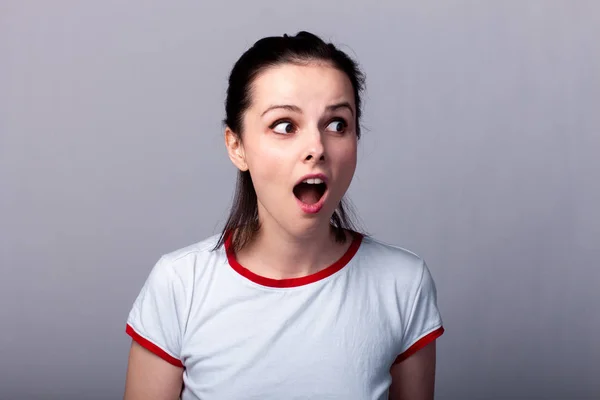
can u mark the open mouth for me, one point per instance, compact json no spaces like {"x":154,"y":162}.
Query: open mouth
{"x":310,"y":191}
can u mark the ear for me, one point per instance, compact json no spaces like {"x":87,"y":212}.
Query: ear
{"x":235,"y":149}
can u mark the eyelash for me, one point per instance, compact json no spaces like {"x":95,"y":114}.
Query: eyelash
{"x":280,"y":121}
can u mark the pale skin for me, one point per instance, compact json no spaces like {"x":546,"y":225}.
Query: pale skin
{"x":314,"y":132}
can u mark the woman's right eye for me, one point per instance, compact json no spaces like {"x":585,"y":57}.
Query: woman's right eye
{"x":283,"y":127}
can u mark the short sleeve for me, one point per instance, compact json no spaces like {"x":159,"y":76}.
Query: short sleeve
{"x":424,"y":325}
{"x":156,"y":318}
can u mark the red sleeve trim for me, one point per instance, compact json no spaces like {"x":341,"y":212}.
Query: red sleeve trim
{"x":148,"y":345}
{"x":419,"y":344}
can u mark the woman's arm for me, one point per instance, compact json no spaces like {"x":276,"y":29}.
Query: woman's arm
{"x":149,"y":377}
{"x":414,"y":378}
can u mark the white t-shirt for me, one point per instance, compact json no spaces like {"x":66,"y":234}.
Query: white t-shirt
{"x":331,"y":335}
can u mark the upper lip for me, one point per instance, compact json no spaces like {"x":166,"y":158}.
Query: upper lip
{"x":321,"y":176}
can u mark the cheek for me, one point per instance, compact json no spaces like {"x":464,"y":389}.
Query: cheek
{"x":346,"y":157}
{"x":267,"y":166}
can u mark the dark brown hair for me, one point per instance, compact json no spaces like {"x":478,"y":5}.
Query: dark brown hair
{"x":268,"y":52}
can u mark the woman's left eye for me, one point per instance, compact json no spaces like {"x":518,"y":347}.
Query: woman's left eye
{"x":339,"y":125}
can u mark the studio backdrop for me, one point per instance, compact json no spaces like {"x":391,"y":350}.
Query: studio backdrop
{"x":480,"y":152}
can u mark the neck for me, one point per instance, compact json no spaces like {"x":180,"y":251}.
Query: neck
{"x":279,"y":254}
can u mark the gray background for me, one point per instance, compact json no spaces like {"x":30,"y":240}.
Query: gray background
{"x":480,"y":153}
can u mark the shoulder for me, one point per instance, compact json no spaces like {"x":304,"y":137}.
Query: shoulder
{"x":393,"y":268}
{"x":391,"y":259}
{"x":379,"y":249}
{"x":405,"y":286}
{"x":185,"y":260}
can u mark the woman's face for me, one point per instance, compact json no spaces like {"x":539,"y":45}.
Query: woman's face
{"x":299,"y":131}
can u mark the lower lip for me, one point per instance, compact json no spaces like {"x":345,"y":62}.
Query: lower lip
{"x":312,"y":208}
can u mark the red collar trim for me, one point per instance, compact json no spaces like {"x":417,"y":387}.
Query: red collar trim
{"x":292,"y":282}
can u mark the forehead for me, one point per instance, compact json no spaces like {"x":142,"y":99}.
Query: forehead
{"x":301,"y":84}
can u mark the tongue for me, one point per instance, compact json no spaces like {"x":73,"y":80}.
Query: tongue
{"x":307,"y":193}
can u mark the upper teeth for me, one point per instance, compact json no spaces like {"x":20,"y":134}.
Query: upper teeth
{"x":312,"y":181}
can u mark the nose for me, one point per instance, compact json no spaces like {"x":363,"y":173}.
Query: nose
{"x":315,"y":148}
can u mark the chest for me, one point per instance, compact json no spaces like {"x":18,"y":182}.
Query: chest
{"x":329,"y":342}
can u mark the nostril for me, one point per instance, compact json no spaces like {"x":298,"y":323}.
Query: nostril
{"x":310,"y":157}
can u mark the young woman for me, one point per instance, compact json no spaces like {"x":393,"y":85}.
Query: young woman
{"x":290,"y":301}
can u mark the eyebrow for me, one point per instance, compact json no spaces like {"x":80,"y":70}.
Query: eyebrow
{"x":283,"y":106}
{"x":297,"y":109}
{"x":343,"y":104}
